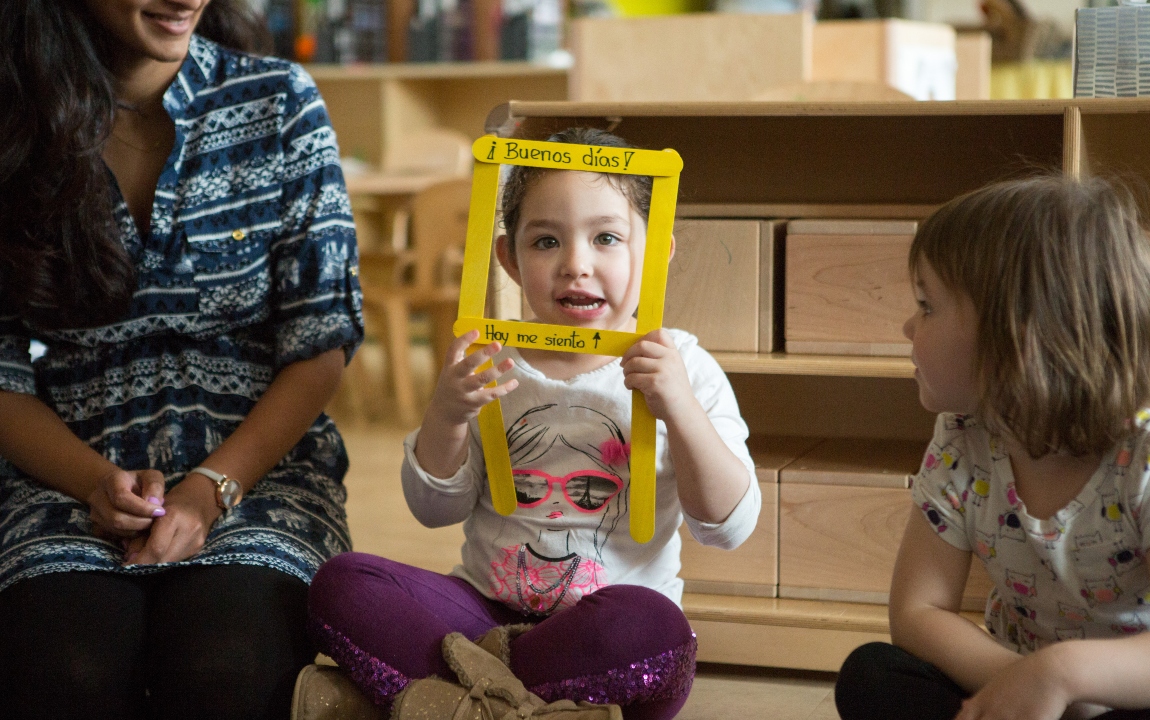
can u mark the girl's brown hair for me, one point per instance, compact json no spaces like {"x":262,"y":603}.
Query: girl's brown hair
{"x":636,"y":188}
{"x":1058,"y":270}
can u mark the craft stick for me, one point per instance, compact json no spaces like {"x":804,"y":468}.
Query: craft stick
{"x":489,"y":152}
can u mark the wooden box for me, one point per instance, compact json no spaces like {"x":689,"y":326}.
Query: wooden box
{"x":721,"y":285}
{"x":752,"y":568}
{"x":848,"y":290}
{"x":917,"y":58}
{"x":843,"y":507}
{"x":691,"y":57}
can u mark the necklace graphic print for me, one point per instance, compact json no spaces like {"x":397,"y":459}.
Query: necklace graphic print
{"x":562,"y":584}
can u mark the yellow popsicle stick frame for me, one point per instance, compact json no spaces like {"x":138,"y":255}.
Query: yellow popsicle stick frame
{"x":664,"y":166}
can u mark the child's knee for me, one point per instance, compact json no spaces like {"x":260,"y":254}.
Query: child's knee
{"x":339,"y":578}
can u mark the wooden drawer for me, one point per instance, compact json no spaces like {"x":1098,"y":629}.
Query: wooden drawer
{"x":848,"y":291}
{"x":840,"y":525}
{"x":720,"y":285}
{"x":752,"y":568}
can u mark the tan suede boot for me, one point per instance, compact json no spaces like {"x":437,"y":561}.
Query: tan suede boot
{"x":487,"y":691}
{"x":497,"y":640}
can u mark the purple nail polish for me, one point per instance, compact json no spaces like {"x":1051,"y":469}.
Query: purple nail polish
{"x":159,"y":512}
{"x":156,"y":500}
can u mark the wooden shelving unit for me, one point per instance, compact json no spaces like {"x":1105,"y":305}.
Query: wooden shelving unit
{"x":778,"y":161}
{"x":373,"y":105}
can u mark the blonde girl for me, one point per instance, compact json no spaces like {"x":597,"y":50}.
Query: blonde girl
{"x":1032,"y":341}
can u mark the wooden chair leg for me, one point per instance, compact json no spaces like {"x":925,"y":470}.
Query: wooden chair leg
{"x":398,"y":347}
{"x":442,"y":316}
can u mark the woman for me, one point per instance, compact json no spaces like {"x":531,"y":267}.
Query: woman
{"x":175,"y":229}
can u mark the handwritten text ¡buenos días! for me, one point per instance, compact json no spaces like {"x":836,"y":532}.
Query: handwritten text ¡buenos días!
{"x":591,"y":158}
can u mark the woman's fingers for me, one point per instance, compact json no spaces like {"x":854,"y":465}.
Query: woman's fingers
{"x":152,"y":486}
{"x":121,"y":491}
{"x":159,"y":542}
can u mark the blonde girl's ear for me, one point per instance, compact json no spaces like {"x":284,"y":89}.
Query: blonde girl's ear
{"x":507,"y":258}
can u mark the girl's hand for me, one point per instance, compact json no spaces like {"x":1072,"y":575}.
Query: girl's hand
{"x":1029,"y":689}
{"x":461,"y":393}
{"x":654,"y":367}
{"x":126,"y":502}
{"x":181,"y":532}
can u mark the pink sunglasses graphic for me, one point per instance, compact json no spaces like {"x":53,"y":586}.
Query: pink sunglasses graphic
{"x":586,"y":490}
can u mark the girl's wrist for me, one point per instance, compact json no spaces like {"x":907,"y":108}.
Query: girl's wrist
{"x":1061,"y":662}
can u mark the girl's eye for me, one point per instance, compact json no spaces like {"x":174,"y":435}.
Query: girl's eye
{"x":924,"y":306}
{"x":607,"y":239}
{"x":546,"y":242}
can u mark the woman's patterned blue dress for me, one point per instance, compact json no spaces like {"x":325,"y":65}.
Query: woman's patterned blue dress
{"x":250,"y":265}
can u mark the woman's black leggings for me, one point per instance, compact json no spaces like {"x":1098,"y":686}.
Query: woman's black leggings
{"x":190,"y":642}
{"x":882,"y":682}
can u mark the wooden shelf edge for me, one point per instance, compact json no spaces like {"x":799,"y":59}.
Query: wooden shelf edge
{"x":431,"y":71}
{"x":893,"y":211}
{"x":782,"y":612}
{"x":522,"y":108}
{"x":827,"y":365}
{"x":809,"y":614}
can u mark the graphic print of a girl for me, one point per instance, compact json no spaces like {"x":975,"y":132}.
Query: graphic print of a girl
{"x":571,"y":474}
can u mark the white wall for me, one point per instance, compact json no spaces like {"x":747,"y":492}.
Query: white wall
{"x":966,"y":12}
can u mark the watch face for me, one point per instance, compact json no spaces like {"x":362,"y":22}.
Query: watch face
{"x":230,"y":492}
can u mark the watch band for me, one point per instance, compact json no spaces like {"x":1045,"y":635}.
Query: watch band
{"x":209,"y":473}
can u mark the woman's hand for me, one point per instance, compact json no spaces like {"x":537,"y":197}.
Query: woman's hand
{"x":126,"y":503}
{"x":1029,"y":689}
{"x":461,"y":392}
{"x":654,"y":367}
{"x":181,"y":532}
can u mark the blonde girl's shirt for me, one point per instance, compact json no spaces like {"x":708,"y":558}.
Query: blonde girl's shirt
{"x":1080,"y":573}
{"x":569,"y":442}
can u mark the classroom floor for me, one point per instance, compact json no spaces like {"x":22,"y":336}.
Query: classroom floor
{"x":381,"y":524}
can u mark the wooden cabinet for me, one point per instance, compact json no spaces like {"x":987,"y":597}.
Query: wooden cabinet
{"x":841,"y":509}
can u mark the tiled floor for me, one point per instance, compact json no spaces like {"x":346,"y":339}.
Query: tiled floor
{"x":381,"y":524}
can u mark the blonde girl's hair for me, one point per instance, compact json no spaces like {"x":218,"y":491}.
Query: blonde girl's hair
{"x":1058,"y":270}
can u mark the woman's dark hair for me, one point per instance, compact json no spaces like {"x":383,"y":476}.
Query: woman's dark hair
{"x":636,"y":188}
{"x":62,"y":263}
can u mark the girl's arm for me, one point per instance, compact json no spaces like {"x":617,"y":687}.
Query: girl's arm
{"x":441,"y":446}
{"x":277,"y":421}
{"x":925,"y":598}
{"x":36,"y":440}
{"x":1089,"y":676}
{"x":711,"y":479}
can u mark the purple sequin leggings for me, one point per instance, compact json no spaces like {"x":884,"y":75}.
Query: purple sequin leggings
{"x":384,"y":623}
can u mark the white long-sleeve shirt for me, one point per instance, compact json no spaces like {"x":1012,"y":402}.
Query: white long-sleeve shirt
{"x":570,"y":446}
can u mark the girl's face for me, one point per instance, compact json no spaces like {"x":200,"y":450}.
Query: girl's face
{"x":578,"y":252}
{"x":944,"y":336}
{"x":150,"y":29}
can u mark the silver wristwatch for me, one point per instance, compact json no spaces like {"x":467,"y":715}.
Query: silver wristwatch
{"x":228,"y":491}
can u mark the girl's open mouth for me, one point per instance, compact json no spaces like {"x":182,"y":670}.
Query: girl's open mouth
{"x":581,"y":302}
